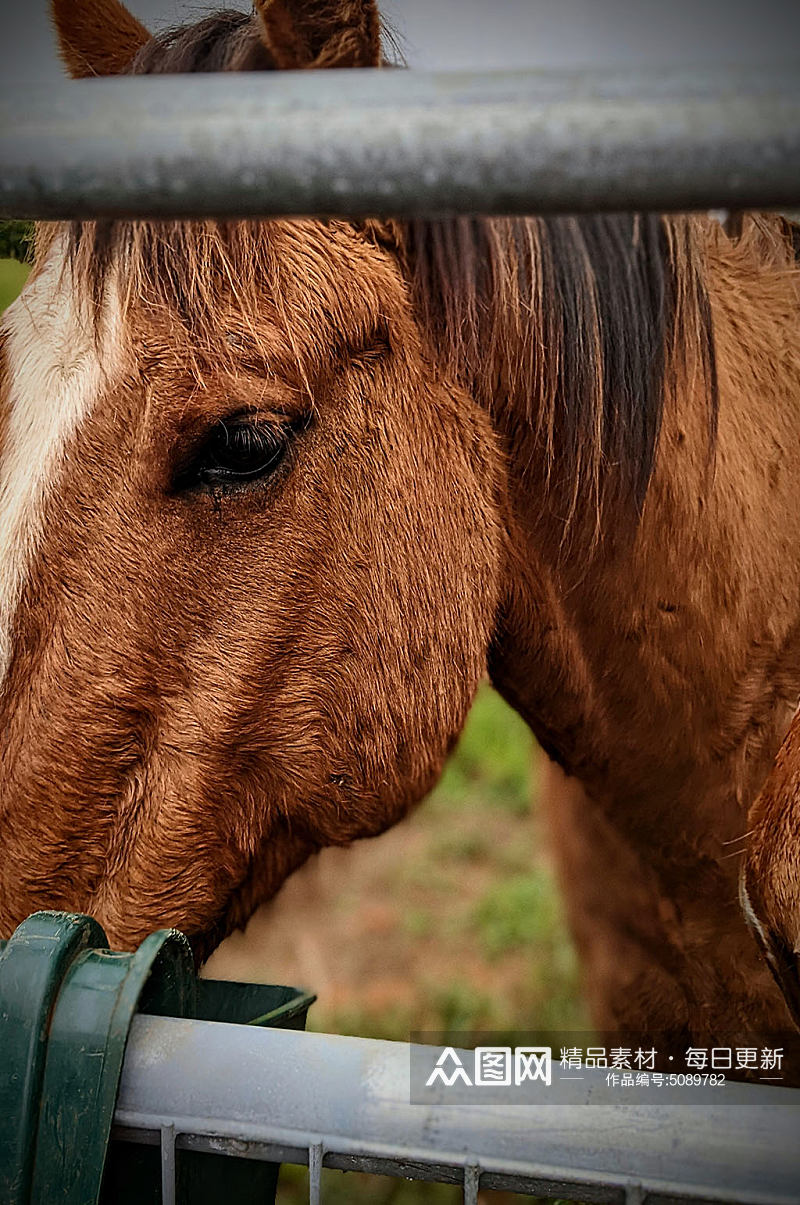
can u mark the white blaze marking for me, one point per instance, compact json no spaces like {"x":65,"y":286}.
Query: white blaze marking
{"x":54,"y":375}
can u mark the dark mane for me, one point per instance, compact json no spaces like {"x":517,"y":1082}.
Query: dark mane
{"x":575,"y":323}
{"x":576,"y":326}
{"x":223,"y":41}
{"x":226,"y":40}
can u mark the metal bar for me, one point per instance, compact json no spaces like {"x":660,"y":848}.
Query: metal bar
{"x":472,"y":1183}
{"x":168,"y":1164}
{"x":316,"y":1153}
{"x":274,"y":1094}
{"x":400,"y":143}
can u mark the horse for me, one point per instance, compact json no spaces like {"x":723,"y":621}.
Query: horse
{"x":276,"y":495}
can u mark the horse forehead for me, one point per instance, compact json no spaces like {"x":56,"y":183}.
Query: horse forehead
{"x":56,"y":367}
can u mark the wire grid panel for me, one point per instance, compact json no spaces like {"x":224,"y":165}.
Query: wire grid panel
{"x":461,"y":1170}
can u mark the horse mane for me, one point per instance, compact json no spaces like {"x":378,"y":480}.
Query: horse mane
{"x":574,"y":323}
{"x":226,"y":40}
{"x":578,"y":326}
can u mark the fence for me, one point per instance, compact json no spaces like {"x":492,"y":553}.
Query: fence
{"x":396,"y":143}
{"x":400,"y":143}
{"x":344,"y":1103}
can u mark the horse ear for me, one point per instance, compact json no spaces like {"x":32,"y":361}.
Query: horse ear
{"x":96,"y":37}
{"x":321,"y":33}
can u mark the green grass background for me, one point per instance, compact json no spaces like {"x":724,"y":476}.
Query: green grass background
{"x":12,"y":278}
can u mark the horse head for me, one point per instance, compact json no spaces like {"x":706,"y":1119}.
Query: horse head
{"x":252,"y":536}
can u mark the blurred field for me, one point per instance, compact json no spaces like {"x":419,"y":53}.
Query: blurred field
{"x":449,"y":923}
{"x":12,"y":278}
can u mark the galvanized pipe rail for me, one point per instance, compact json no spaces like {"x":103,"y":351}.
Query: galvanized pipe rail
{"x":320,"y":1099}
{"x":400,"y":143}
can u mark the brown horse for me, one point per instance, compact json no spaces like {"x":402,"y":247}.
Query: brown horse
{"x":274,"y":495}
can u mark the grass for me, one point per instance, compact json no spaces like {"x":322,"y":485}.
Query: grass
{"x":450,"y":924}
{"x":12,"y":277}
{"x":493,"y":761}
{"x":346,"y":1188}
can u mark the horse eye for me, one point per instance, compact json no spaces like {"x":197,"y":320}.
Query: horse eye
{"x":237,"y":453}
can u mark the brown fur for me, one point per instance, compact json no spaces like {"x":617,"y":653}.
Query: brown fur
{"x":306,"y":683}
{"x":771,"y":875}
{"x":669,"y":670}
{"x":96,"y":37}
{"x":564,"y":448}
{"x":320,"y":33}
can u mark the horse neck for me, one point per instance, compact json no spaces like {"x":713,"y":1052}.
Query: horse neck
{"x":658,"y":659}
{"x":657,"y":656}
